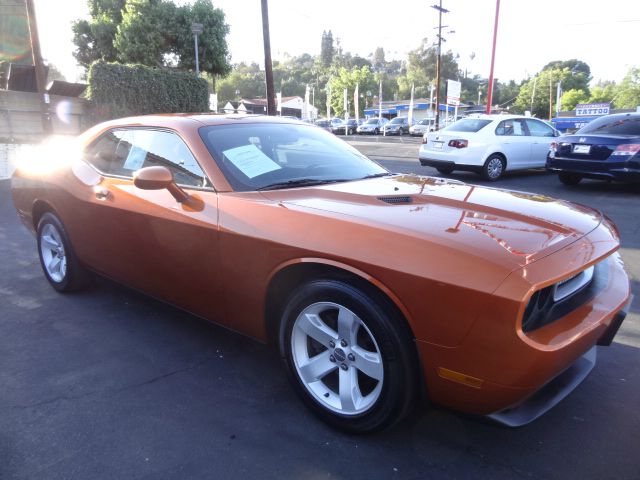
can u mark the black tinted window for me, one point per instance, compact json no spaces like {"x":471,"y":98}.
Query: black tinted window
{"x":614,"y":125}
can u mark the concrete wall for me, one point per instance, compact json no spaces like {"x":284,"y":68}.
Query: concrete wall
{"x":21,"y":116}
{"x":9,"y":154}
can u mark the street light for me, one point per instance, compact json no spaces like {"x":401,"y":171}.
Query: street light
{"x":438,"y":68}
{"x":196,"y":29}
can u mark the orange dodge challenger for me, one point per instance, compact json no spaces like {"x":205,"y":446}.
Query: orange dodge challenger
{"x":377,"y":288}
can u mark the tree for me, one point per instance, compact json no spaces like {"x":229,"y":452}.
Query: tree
{"x":378,"y":59}
{"x":213,"y":51}
{"x":421,"y":71}
{"x":248,"y":80}
{"x":628,"y":92}
{"x":363,"y":77}
{"x":326,"y":49}
{"x":153,"y":33}
{"x":573,"y":75}
{"x":93,"y":38}
{"x":570,"y":98}
{"x":603,"y":92}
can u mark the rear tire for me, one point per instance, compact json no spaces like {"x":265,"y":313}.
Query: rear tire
{"x":57,"y":258}
{"x":569,"y":178}
{"x":348,"y":356}
{"x":493,"y":168}
{"x":444,"y":170}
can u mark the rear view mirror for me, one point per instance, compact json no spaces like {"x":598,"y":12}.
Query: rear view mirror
{"x":158,"y":178}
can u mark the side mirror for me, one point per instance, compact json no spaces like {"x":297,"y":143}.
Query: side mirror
{"x":158,"y":178}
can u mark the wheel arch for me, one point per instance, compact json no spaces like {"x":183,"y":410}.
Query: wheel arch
{"x":39,"y":208}
{"x":498,"y":153}
{"x":288,"y":276}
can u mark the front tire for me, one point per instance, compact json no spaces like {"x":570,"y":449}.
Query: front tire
{"x":493,"y":168}
{"x":348,"y":356}
{"x":57,"y":258}
{"x":569,"y":178}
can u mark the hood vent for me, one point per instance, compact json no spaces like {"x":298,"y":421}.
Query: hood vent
{"x":394,"y":200}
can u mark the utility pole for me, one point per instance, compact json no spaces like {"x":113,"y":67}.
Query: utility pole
{"x":268,"y":69}
{"x":438,"y":63}
{"x":41,"y":76}
{"x":493,"y":59}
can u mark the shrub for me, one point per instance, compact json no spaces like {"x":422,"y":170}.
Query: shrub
{"x":118,"y":90}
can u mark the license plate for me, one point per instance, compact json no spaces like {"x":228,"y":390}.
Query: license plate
{"x":581,"y":148}
{"x":437,"y":145}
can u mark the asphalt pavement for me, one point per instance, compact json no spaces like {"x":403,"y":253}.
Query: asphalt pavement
{"x":110,"y":384}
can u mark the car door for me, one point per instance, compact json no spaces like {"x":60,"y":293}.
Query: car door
{"x":541,"y":137}
{"x":145,"y":238}
{"x":515,"y":143}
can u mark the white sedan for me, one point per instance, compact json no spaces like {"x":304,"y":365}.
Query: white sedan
{"x":489,"y":145}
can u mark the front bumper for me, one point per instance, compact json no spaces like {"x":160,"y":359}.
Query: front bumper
{"x":496,"y":368}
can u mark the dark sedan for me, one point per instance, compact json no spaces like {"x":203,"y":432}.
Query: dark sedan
{"x":608,"y":148}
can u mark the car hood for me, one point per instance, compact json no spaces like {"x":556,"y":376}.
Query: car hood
{"x":510,"y":228}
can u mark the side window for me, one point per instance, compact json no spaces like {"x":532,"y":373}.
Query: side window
{"x":102,"y":153}
{"x":122,"y":152}
{"x":539,"y":129}
{"x":513,"y":127}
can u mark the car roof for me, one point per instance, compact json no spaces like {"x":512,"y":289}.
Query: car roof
{"x":204,"y":119}
{"x":498,"y":116}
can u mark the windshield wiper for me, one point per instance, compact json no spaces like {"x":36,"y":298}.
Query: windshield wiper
{"x":376,"y":175}
{"x":301,"y":182}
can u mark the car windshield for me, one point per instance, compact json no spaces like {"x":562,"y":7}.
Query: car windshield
{"x":424,"y":122}
{"x":372,"y":121}
{"x":468,"y":125}
{"x":397,"y":120}
{"x":256,"y":156}
{"x":613,"y":125}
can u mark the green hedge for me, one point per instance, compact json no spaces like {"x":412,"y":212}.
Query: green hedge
{"x":118,"y":90}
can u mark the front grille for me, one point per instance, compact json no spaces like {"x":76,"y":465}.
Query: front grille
{"x":555,"y":301}
{"x":396,"y":199}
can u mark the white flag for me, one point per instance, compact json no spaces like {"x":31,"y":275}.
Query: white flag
{"x":346,"y":105}
{"x":328,"y":101}
{"x":306,"y":103}
{"x":411,"y":106}
{"x":356,"y":103}
{"x":279,"y":98}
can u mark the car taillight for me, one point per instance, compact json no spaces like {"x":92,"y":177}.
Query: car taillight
{"x":627,"y":149}
{"x":458,"y":143}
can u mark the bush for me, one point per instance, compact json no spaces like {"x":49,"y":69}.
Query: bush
{"x":118,"y":90}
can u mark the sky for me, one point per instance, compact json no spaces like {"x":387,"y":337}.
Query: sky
{"x":531,"y":33}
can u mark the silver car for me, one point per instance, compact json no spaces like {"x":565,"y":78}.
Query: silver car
{"x":373,"y":126}
{"x":423,"y":126}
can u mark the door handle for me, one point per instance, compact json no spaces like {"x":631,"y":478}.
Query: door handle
{"x":101,"y":193}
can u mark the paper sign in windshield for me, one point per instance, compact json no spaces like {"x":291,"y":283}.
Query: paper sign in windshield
{"x":251,"y":161}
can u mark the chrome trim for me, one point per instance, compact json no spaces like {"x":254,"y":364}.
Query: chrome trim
{"x":572,"y":285}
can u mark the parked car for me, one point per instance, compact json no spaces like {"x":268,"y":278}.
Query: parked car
{"x":347,"y":127}
{"x":373,"y":126}
{"x":489,"y":145}
{"x":423,"y":126}
{"x":397,"y":126}
{"x":607,"y":148}
{"x":323,"y":123}
{"x":257,"y":223}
